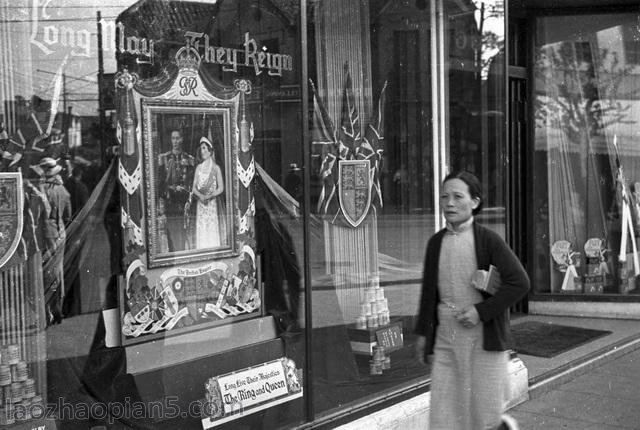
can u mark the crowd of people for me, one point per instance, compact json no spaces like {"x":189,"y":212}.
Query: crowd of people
{"x":54,"y":191}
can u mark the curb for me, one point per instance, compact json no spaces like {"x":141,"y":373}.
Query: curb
{"x":552,"y":379}
{"x":408,"y":414}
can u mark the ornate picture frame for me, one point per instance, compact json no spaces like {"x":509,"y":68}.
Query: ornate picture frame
{"x":186,"y":220}
{"x":186,"y":171}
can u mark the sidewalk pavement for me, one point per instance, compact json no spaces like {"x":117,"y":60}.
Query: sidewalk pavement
{"x":605,"y":397}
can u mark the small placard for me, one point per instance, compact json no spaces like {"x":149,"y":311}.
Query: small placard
{"x":237,"y":394}
{"x":390,"y":337}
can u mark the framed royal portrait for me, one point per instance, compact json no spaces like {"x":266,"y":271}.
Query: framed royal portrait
{"x":186,"y":173}
{"x":189,"y":148}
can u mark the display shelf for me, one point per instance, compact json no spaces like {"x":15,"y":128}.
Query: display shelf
{"x":161,"y":353}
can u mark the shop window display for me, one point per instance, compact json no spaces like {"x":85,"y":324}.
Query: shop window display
{"x":585,"y":191}
{"x":155,"y":151}
{"x":137,"y":154}
{"x":371,"y":76}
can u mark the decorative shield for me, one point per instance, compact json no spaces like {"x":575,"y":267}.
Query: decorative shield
{"x":11,"y":203}
{"x":354,"y":185}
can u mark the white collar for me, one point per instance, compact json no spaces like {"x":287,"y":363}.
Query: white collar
{"x":462,"y":227}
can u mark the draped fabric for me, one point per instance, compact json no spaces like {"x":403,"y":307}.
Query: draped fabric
{"x":565,"y":206}
{"x":581,"y":111}
{"x":160,"y":84}
{"x":157,"y":85}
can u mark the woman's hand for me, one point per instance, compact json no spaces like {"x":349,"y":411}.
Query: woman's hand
{"x":204,"y":198}
{"x":468,"y":317}
{"x":207,"y":197}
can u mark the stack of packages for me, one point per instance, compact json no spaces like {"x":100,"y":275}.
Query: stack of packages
{"x":18,"y":399}
{"x":374,"y":313}
{"x":380,"y":361}
{"x":597,"y":269}
{"x":374,"y":310}
{"x":593,"y":279}
{"x":626,"y":273}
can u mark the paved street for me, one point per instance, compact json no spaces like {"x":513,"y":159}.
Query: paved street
{"x":606,"y":397}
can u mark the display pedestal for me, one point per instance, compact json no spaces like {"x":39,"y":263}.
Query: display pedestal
{"x":184,"y":383}
{"x":363,"y":340}
{"x":175,"y":349}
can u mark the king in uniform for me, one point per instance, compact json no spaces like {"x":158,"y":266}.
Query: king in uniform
{"x":176,"y":176}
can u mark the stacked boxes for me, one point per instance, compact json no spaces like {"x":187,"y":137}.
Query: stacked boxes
{"x":380,"y":361}
{"x":367,"y":343}
{"x":18,"y":399}
{"x":373,"y":324}
{"x":374,"y":310}
{"x":593,"y":277}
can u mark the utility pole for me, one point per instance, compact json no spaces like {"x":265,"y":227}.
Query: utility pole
{"x":101,"y":90}
{"x":64,"y":124}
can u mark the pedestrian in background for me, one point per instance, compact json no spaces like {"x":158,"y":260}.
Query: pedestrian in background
{"x":463,"y":332}
{"x":55,"y":237}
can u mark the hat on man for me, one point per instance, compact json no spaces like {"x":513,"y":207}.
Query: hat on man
{"x":50,"y":166}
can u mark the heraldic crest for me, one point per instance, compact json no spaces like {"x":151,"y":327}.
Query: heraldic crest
{"x":350,"y":160}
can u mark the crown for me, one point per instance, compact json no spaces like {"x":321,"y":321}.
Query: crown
{"x":188,"y":60}
{"x":242,"y":85}
{"x":125,"y":80}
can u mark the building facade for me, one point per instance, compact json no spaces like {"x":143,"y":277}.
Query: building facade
{"x":214,"y":212}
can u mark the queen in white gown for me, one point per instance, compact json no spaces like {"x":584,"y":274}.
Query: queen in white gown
{"x":207,"y":187}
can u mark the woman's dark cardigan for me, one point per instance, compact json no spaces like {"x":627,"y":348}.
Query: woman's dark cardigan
{"x":493,"y":310}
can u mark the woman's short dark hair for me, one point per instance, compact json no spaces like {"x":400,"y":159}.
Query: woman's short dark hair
{"x":475,"y":187}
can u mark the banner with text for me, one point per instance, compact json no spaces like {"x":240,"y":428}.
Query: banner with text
{"x":237,"y":394}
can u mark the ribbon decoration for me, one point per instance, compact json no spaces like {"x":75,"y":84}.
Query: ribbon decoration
{"x":326,"y":170}
{"x":569,"y":281}
{"x":246,"y":175}
{"x":136,"y":264}
{"x":127,"y":222}
{"x":130,"y":182}
{"x":627,"y":223}
{"x":132,"y":328}
{"x":244,"y":219}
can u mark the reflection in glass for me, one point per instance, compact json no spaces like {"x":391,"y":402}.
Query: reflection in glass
{"x":59,"y":112}
{"x":477,"y":140}
{"x":372,"y":71}
{"x":586,"y":167}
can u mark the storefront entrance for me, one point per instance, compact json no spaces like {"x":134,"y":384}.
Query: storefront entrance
{"x":575,"y":90}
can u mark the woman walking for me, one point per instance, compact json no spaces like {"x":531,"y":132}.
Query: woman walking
{"x":463,"y":332}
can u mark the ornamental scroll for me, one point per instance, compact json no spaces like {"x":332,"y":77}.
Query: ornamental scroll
{"x":186,"y":173}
